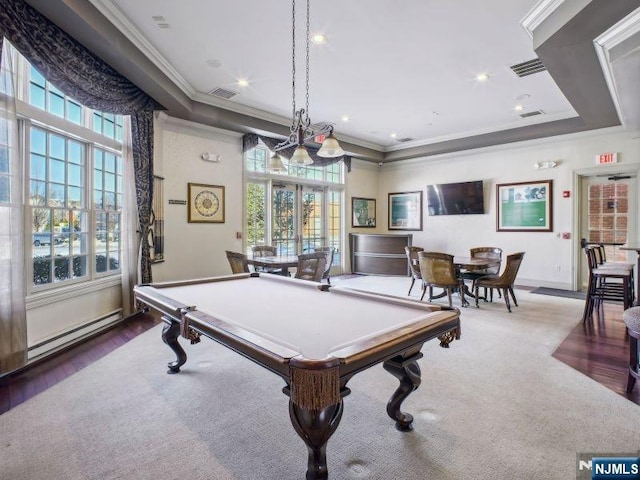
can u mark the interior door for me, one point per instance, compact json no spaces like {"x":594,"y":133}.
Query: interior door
{"x":608,"y":217}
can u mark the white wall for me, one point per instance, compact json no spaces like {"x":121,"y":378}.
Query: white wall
{"x":545,"y":251}
{"x":363,"y":181}
{"x":194,"y":250}
{"x":197,"y":250}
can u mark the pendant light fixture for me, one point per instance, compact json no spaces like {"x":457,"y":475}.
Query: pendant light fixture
{"x":300,"y":129}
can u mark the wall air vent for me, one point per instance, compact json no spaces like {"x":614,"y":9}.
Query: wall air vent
{"x":528,"y":68}
{"x":531,"y":114}
{"x":222,"y":93}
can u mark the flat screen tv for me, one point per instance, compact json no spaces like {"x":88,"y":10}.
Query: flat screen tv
{"x":464,"y":198}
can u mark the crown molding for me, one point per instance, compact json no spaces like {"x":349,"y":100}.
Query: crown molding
{"x":567,"y":137}
{"x":524,"y":122}
{"x":618,"y":33}
{"x":122,"y":23}
{"x":275,"y":118}
{"x":538,"y":14}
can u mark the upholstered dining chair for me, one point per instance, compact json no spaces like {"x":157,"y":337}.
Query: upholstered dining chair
{"x":329,"y":252}
{"x":493,"y":253}
{"x":504,"y":281}
{"x":438,"y":270}
{"x":311,"y":266}
{"x":412,"y":258}
{"x":265,"y":251}
{"x":237,"y":262}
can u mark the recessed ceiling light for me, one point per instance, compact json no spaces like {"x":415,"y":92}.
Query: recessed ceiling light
{"x":518,"y":108}
{"x":345,"y":118}
{"x":482,"y":77}
{"x":319,"y":39}
{"x":394,"y":135}
{"x":243,"y":82}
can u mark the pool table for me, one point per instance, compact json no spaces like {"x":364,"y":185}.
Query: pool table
{"x":314,"y":336}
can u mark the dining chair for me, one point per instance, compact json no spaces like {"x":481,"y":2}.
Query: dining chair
{"x":606,"y":284}
{"x":493,"y":253}
{"x":237,"y":262}
{"x":265,"y":251}
{"x":503,"y":281}
{"x":329,"y":252}
{"x":311,"y":266}
{"x":414,"y":266}
{"x":438,"y":270}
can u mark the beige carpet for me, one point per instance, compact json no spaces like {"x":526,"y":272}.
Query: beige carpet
{"x":495,"y":405}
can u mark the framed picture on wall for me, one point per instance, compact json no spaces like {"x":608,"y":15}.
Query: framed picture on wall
{"x":206,"y":203}
{"x":525,"y":207}
{"x":363,"y":212}
{"x":405,"y":211}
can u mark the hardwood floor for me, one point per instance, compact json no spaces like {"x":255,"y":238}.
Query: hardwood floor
{"x":599,"y":350}
{"x":24,"y":384}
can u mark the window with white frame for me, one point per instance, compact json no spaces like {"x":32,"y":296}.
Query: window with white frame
{"x":74,"y":175}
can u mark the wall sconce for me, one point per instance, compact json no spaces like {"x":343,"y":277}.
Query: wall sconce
{"x":211,"y":157}
{"x":545,"y":164}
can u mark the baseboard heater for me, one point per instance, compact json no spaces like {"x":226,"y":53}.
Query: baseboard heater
{"x":72,"y":336}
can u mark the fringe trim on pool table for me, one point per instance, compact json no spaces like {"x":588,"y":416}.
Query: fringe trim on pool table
{"x":315,"y":389}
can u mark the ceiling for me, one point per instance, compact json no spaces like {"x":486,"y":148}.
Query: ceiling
{"x":406,"y":68}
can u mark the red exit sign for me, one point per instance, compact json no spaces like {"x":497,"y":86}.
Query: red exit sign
{"x":320,"y":138}
{"x":606,"y":158}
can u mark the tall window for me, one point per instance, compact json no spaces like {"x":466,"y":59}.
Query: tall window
{"x":296,"y":211}
{"x":4,"y":164}
{"x":48,"y":98}
{"x":73,"y":168}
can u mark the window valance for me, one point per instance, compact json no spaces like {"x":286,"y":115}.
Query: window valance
{"x":251,"y":140}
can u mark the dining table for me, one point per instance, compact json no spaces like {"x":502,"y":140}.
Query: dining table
{"x":283,"y":262}
{"x":467,"y":264}
{"x":634,"y":248}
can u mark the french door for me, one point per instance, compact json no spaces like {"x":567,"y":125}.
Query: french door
{"x":299,"y":218}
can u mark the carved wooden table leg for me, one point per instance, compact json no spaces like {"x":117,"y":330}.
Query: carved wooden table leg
{"x":407,"y":371}
{"x":170,"y":333}
{"x":315,"y":427}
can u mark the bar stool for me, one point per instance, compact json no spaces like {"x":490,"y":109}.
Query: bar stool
{"x":606,"y":283}
{"x":631,"y":319}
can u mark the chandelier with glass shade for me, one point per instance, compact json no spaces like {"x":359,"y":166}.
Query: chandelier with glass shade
{"x":301,"y":129}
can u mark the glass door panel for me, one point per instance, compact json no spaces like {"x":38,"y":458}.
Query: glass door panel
{"x":284,"y":229}
{"x":334,"y":228}
{"x":312,"y":219}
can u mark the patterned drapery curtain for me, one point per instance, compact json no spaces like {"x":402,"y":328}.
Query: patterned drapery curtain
{"x":251,"y":140}
{"x":13,"y":319}
{"x":85,"y":77}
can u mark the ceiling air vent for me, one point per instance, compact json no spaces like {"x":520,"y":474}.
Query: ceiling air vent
{"x":531,"y":114}
{"x":404,"y":139}
{"x":160,"y":21}
{"x":222,"y":93}
{"x":528,"y":68}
